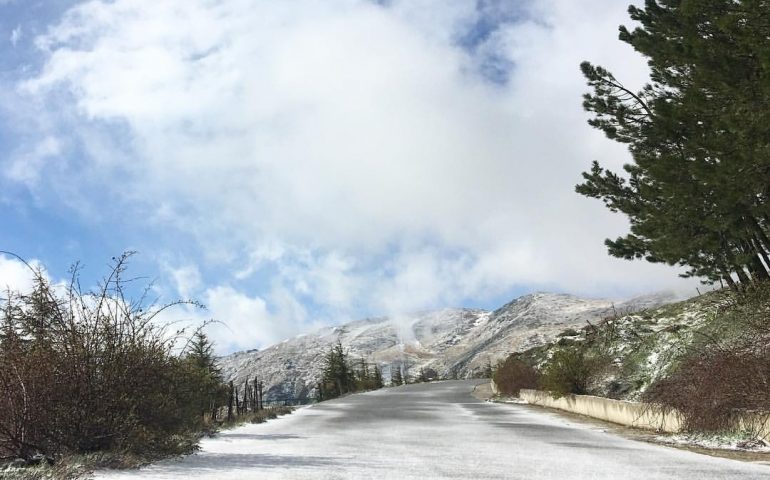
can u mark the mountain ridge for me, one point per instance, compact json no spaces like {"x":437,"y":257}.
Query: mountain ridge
{"x":455,"y":342}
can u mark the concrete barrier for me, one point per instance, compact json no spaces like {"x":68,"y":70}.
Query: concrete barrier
{"x":635,"y":414}
{"x":757,"y":424}
{"x":632,"y":414}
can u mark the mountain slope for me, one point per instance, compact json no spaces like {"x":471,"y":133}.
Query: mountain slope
{"x":454,"y":342}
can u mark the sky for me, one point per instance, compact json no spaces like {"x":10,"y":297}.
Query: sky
{"x":304,"y":163}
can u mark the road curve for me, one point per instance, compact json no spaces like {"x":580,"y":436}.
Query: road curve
{"x":428,"y":431}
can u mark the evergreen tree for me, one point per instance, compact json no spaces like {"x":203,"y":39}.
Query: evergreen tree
{"x":697,"y":192}
{"x":396,"y":378}
{"x":201,"y":353}
{"x":405,"y":365}
{"x":338,"y":377}
{"x":209,"y":388}
{"x":363,"y":381}
{"x":377,"y":377}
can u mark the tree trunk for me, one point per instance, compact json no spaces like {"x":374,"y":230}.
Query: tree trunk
{"x":741,"y":273}
{"x":729,"y":280}
{"x":754,"y":265}
{"x":758,"y":269}
{"x":763,"y":240}
{"x":762,"y":253}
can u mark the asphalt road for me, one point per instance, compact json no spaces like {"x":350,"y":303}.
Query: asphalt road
{"x":431,"y":431}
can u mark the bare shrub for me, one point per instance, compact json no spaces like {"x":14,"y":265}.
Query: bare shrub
{"x":513,"y":374}
{"x":83,"y":371}
{"x":727,"y":375}
{"x":711,"y":388}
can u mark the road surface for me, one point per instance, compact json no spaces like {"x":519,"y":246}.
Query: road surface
{"x":429,"y":431}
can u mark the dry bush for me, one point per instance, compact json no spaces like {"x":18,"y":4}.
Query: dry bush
{"x":84,"y":371}
{"x":711,"y":388}
{"x":513,"y":374}
{"x":727,"y":375}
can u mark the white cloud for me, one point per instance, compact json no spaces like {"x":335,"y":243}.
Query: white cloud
{"x":353,"y":151}
{"x":187,"y":280}
{"x":26,"y":167}
{"x":244,"y":321}
{"x":15,"y":35}
{"x":15,"y":275}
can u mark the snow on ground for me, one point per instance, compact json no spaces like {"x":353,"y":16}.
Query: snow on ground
{"x":717,"y":442}
{"x":433,"y":431}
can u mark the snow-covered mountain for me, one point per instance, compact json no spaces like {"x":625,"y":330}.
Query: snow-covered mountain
{"x":454,"y":342}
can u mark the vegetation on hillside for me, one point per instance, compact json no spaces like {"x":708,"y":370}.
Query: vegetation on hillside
{"x":707,"y":357}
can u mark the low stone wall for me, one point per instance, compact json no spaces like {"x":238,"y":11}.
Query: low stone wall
{"x":632,"y":414}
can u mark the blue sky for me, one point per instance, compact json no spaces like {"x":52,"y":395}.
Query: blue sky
{"x":296,"y":164}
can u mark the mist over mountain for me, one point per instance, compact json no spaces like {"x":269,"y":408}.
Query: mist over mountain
{"x":455,"y":342}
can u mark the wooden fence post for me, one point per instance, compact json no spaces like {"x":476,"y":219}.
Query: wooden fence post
{"x":256,"y":393}
{"x":246,"y":395}
{"x":230,"y":403}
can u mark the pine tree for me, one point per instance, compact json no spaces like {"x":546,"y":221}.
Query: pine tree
{"x":697,"y":193}
{"x":338,"y":377}
{"x":405,"y":365}
{"x":201,"y":353}
{"x":208,"y":385}
{"x":363,"y":378}
{"x":396,"y":378}
{"x":377,"y":377}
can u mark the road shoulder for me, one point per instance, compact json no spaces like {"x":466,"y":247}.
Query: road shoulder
{"x":761,"y":458}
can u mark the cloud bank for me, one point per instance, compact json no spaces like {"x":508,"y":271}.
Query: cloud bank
{"x":340,"y":158}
